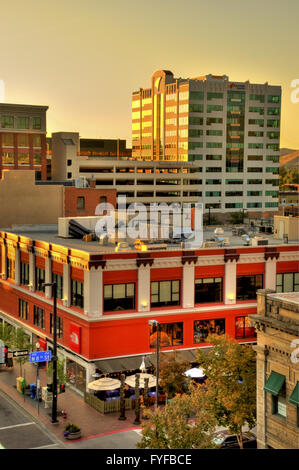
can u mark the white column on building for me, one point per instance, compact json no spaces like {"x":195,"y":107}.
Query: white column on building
{"x":230,"y":282}
{"x":48,"y":277}
{"x":17,"y":266}
{"x":3,"y":261}
{"x":144,"y":288}
{"x":32,"y":271}
{"x":67,"y":285}
{"x":188,"y":290}
{"x":93,"y":292}
{"x":270,"y":274}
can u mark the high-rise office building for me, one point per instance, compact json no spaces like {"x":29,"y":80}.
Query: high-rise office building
{"x":231,"y":128}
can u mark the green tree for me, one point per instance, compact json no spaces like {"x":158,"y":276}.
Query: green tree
{"x":62,"y":378}
{"x":231,"y":383}
{"x":6,"y":333}
{"x":20,"y":340}
{"x":185,"y":423}
{"x":171,"y":374}
{"x":237,"y":217}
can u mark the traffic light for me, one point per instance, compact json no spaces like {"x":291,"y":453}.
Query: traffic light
{"x":61,"y":388}
{"x":50,"y":388}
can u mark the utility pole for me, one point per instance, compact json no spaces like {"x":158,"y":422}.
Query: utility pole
{"x":54,"y":358}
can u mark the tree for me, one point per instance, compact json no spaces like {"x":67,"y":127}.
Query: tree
{"x":62,"y":377}
{"x":20,"y":340}
{"x":185,"y":423}
{"x":6,"y":333}
{"x":231,"y":383}
{"x":237,"y":217}
{"x":171,"y":374}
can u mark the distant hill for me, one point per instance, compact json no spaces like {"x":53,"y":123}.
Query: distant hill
{"x":285,"y":151}
{"x":290,"y":160}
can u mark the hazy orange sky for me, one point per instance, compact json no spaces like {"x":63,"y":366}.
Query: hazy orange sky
{"x":85,"y":58}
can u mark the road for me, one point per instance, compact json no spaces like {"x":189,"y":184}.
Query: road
{"x":18,"y":430}
{"x":117,"y":440}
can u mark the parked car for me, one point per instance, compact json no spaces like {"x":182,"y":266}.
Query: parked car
{"x":229,"y":441}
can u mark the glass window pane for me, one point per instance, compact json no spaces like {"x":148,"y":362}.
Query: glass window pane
{"x":175,"y":286}
{"x":108,"y":292}
{"x":119,"y":291}
{"x":165,"y":291}
{"x":154,"y":288}
{"x":130,"y":290}
{"x":278,"y":279}
{"x":288,"y":282}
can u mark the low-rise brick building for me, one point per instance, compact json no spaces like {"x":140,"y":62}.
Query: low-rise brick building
{"x":277,"y":326}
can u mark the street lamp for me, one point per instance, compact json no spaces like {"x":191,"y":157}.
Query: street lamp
{"x":156,"y":323}
{"x":37,"y":347}
{"x":54,"y":358}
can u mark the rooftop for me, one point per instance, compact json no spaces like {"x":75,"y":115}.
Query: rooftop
{"x":291,"y":297}
{"x":49,"y":234}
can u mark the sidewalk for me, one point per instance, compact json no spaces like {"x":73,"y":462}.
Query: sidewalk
{"x":92,"y":422}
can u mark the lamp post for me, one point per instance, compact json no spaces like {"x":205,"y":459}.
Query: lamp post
{"x":37,"y":347}
{"x":156,"y":323}
{"x":54,"y":358}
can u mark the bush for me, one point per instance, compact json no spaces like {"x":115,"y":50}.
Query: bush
{"x":71,"y":428}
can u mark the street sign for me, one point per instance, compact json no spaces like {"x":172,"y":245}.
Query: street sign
{"x":40,"y":356}
{"x":20,"y":353}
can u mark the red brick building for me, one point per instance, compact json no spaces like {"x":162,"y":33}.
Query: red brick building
{"x":23,"y":138}
{"x":105,"y":298}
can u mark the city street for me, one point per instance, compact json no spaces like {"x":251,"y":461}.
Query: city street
{"x":117,"y":440}
{"x":18,"y":429}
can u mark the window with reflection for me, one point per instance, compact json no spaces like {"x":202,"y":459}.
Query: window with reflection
{"x":248,"y":285}
{"x":59,"y":326}
{"x":39,"y":317}
{"x":287,"y":282}
{"x":39,"y":279}
{"x":119,"y":297}
{"x":77,"y":298}
{"x":203,"y":328}
{"x":8,"y":158}
{"x":23,"y":158}
{"x":165,"y":293}
{"x":23,"y":140}
{"x":170,"y":334}
{"x":244,"y":328}
{"x":7,"y":140}
{"x":208,"y":290}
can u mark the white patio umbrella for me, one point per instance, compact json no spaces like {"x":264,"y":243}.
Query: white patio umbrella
{"x":106,"y":383}
{"x":130,"y":380}
{"x":195,"y":372}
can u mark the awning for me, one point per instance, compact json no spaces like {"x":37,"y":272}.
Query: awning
{"x":274,"y":383}
{"x":294,"y":398}
{"x":108,"y":366}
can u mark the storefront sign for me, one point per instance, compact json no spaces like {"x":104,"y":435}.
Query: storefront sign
{"x":75,"y":337}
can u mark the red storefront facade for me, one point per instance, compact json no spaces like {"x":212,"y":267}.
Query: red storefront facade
{"x":106,"y":298}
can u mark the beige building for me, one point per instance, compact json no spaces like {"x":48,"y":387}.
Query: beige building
{"x":277,"y":326}
{"x":25,"y":201}
{"x":286,"y":226}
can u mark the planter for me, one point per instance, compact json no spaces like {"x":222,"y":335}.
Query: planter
{"x":73,"y":435}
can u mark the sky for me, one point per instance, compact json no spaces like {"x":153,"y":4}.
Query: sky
{"x":84,"y":59}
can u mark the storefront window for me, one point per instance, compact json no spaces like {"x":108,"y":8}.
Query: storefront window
{"x":76,"y":374}
{"x":208,"y":290}
{"x":248,"y":285}
{"x":170,"y":334}
{"x":243,"y":328}
{"x":204,"y":328}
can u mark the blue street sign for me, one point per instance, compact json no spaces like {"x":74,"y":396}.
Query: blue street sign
{"x":40,"y":356}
